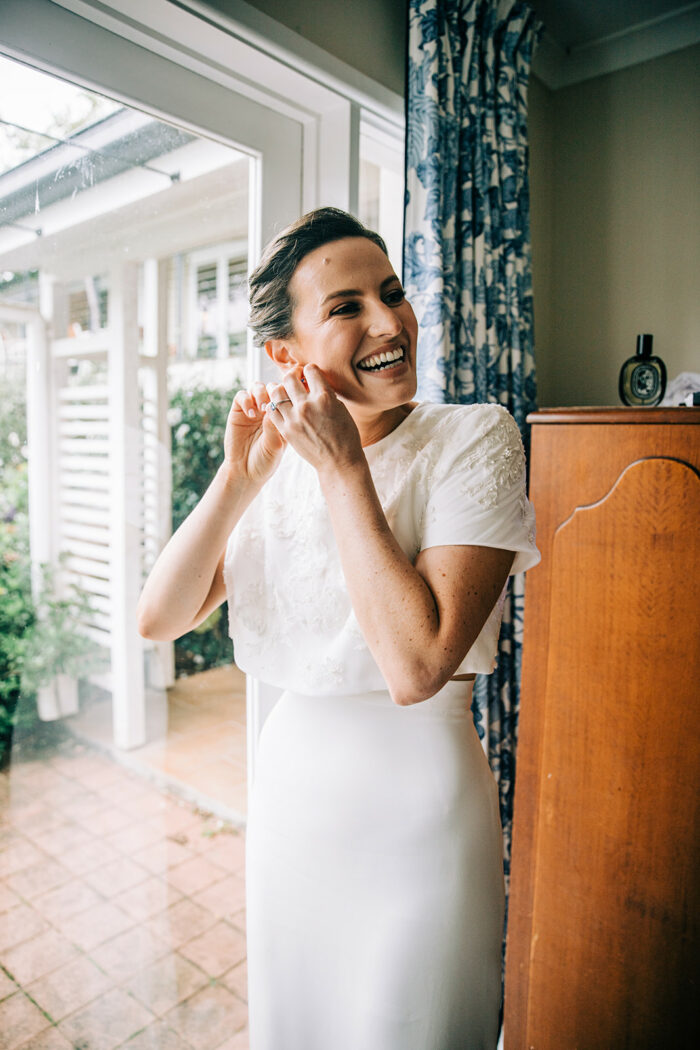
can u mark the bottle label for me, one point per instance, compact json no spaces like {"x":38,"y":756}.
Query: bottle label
{"x":645,"y":382}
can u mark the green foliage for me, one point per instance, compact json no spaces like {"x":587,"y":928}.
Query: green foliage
{"x":13,"y":442}
{"x":55,"y":644}
{"x":198,"y":422}
{"x":17,"y":617}
{"x":16,"y":608}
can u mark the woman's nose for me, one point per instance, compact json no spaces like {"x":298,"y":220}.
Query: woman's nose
{"x":384,"y":320}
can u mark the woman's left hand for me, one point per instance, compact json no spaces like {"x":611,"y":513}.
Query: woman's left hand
{"x":314,"y":421}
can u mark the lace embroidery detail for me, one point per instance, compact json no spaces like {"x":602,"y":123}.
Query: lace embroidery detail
{"x":501,"y":459}
{"x":354,"y":635}
{"x":327,"y":672}
{"x":527,"y":517}
{"x":251,"y":608}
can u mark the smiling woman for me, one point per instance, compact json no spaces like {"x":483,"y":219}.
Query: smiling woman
{"x":363,"y":542}
{"x":352,"y":320}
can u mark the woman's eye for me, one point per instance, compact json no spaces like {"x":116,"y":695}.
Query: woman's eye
{"x":344,"y":309}
{"x":395,"y":296}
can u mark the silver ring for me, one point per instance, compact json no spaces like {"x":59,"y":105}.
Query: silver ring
{"x":273,"y":404}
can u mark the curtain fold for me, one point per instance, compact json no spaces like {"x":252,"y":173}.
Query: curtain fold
{"x":467,"y":260}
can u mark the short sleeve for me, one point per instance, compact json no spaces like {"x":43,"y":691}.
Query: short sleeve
{"x":477,"y":492}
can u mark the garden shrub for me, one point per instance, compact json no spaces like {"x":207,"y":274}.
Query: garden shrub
{"x":16,"y":608}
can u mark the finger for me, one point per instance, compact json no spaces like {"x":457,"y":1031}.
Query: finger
{"x":316,"y":380}
{"x":279,"y":398}
{"x":273,"y":421}
{"x":271,"y":430}
{"x":294,"y":386}
{"x":244,"y":403}
{"x":260,"y":394}
{"x":277,"y":392}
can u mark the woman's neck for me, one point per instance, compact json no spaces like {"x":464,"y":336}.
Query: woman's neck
{"x":373,"y":428}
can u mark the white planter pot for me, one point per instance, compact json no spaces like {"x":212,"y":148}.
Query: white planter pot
{"x":67,"y":695}
{"x":58,"y":699}
{"x":47,"y":703}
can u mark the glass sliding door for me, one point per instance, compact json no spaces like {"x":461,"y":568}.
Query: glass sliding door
{"x":129,"y":219}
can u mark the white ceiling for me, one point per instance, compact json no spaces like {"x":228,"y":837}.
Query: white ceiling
{"x":586,"y":38}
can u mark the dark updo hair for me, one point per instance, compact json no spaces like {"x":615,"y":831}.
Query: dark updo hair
{"x":271,"y":305}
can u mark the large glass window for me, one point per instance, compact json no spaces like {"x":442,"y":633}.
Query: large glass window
{"x":123,"y":267}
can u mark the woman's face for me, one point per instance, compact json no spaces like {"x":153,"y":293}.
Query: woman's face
{"x":349,"y":312}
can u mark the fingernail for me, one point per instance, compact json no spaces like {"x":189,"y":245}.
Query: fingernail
{"x":251,"y":413}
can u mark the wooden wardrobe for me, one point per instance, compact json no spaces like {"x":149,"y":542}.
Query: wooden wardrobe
{"x":602,"y":950}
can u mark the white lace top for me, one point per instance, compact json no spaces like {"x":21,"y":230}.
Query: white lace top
{"x":448,"y":474}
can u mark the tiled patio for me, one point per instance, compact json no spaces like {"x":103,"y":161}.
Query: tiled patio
{"x":122,"y":919}
{"x":196,"y":743}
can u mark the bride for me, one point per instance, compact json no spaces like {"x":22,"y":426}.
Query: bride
{"x":363,"y":541}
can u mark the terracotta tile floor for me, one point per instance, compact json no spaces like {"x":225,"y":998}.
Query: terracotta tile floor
{"x":196,"y":740}
{"x":122,"y":919}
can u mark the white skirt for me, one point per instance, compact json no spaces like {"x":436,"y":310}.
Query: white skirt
{"x":374,"y":877}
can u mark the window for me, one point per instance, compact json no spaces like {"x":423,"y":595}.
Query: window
{"x":381,"y":187}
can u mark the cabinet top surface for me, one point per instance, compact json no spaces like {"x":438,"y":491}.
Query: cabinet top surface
{"x":615,"y":414}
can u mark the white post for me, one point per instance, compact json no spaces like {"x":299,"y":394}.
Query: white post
{"x":222,"y":307}
{"x":41,"y":445}
{"x":41,"y":471}
{"x":339,"y":156}
{"x":155,"y":390}
{"x":128,"y":699}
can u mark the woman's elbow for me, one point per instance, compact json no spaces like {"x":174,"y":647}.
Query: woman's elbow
{"x":151,"y":627}
{"x":417,"y":687}
{"x":148,"y":630}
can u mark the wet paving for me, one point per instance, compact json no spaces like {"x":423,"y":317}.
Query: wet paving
{"x":122,"y":912}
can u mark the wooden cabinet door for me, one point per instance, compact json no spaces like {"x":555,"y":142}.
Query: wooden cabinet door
{"x":603,"y":927}
{"x":619,"y":771}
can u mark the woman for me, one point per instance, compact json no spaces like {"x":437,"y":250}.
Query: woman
{"x":363,"y":542}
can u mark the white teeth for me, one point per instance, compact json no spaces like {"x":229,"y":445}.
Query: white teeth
{"x":384,"y":358}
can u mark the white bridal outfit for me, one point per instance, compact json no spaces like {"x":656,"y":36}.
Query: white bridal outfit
{"x":374,"y":858}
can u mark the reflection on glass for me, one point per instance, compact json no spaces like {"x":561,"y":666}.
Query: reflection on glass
{"x":381,"y":192}
{"x":123,"y":263}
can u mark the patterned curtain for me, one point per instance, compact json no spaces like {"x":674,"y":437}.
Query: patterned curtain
{"x":467,"y":260}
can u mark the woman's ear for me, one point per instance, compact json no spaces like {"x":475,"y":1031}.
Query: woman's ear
{"x":278,"y":351}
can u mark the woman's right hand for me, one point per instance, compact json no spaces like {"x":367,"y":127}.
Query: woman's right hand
{"x":253,"y":446}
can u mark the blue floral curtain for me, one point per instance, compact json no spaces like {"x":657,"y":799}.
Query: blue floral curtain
{"x":467,"y":259}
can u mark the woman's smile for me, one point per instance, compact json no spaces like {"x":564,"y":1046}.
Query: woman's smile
{"x":387,"y":358}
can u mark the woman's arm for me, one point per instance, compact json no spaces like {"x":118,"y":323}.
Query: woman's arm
{"x":419,"y":620}
{"x":186,"y":583}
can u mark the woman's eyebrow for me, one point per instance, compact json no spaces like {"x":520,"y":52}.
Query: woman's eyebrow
{"x":341,"y":294}
{"x":356,"y":291}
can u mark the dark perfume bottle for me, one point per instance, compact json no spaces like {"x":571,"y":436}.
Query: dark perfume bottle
{"x":642,"y":377}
